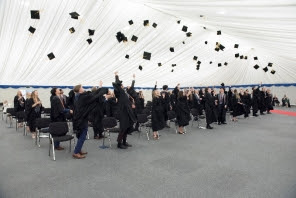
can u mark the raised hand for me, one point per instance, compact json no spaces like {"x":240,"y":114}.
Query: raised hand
{"x":116,"y":73}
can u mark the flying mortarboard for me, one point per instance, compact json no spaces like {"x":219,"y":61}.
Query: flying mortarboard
{"x":225,"y":63}
{"x":154,"y":25}
{"x":265,"y":69}
{"x":147,"y":55}
{"x":183,"y":42}
{"x":146,"y":23}
{"x":184,"y":28}
{"x":91,"y":32}
{"x":134,"y":38}
{"x":51,"y":56}
{"x":89,"y":41}
{"x":246,"y":57}
{"x":195,"y":57}
{"x":269,"y":64}
{"x":235,"y":45}
{"x":188,"y":34}
{"x":236,"y":55}
{"x":219,"y":64}
{"x":206,"y":42}
{"x":74,"y":15}
{"x":241,"y":57}
{"x":124,"y":39}
{"x":119,"y":36}
{"x":159,"y":64}
{"x":174,"y":65}
{"x":272,"y":71}
{"x":35,"y":14}
{"x":172,"y":49}
{"x":72,"y":30}
{"x":127,"y":56}
{"x":219,"y":32}
{"x":211,"y":62}
{"x":256,"y":66}
{"x":140,"y":67}
{"x":198,"y":62}
{"x":255,"y":58}
{"x":172,"y":70}
{"x":31,"y":29}
{"x":179,"y":21}
{"x":204,"y":28}
{"x":131,"y":22}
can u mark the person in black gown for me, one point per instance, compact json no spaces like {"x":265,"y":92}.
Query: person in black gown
{"x":166,"y":107}
{"x":262,"y":103}
{"x":127,"y":117}
{"x":19,"y":104}
{"x":209,"y":107}
{"x":33,"y":109}
{"x":157,"y":118}
{"x":255,"y":100}
{"x":269,"y":105}
{"x":222,"y":106}
{"x":247,"y":101}
{"x":237,"y":105}
{"x":182,"y":111}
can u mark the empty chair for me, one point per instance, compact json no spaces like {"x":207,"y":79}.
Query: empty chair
{"x":196,"y":117}
{"x":42,"y":125}
{"x":109,"y":123}
{"x":11,"y":114}
{"x":144,"y":122}
{"x":58,"y":132}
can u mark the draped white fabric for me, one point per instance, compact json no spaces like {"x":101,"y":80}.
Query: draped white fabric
{"x":266,"y":29}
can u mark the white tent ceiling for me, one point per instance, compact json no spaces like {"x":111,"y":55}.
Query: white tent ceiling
{"x":266,"y":29}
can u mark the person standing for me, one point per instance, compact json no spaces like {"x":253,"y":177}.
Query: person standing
{"x":166,"y":107}
{"x":127,"y":117}
{"x":182,"y":110}
{"x":222,"y":106}
{"x":157,"y":118}
{"x":33,"y":109}
{"x":209,"y":107}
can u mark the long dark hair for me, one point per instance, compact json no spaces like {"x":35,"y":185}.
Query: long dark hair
{"x":180,"y":94}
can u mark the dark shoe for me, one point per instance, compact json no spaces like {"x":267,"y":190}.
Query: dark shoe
{"x":59,"y":148}
{"x":127,"y":144}
{"x":219,"y":123}
{"x":223,"y":123}
{"x":121,"y":146}
{"x":209,"y":127}
{"x":78,"y":156}
{"x":82,"y":153}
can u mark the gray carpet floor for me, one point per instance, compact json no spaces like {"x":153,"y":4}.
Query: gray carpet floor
{"x":251,"y":158}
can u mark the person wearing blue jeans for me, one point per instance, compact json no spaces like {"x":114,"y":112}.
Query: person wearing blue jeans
{"x":84,"y":103}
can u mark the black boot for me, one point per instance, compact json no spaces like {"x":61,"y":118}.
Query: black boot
{"x":209,"y":126}
{"x":127,"y":144}
{"x":121,"y":146}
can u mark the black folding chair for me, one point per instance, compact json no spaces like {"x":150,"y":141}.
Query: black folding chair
{"x":42,"y":125}
{"x":172,"y":118}
{"x":11,"y":114}
{"x":58,"y":132}
{"x":20,"y":118}
{"x":196,"y":117}
{"x":144,"y":122}
{"x":109,"y":124}
{"x":46,"y":112}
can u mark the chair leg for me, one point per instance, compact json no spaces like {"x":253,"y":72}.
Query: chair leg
{"x":109,"y":138}
{"x":158,"y":135}
{"x":87,"y":137}
{"x":53,"y":152}
{"x":49,"y":146}
{"x":16,"y":122}
{"x":70,"y":146}
{"x":103,"y":145}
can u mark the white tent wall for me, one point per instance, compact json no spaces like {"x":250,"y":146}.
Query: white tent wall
{"x":261,"y":28}
{"x":44,"y":93}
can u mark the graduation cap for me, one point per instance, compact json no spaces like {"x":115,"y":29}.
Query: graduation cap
{"x":256,"y":66}
{"x":236,"y":55}
{"x":241,"y":57}
{"x":221,"y":47}
{"x":204,"y":28}
{"x":127,"y":56}
{"x":172,"y":49}
{"x":31,"y":29}
{"x":198,"y":62}
{"x":120,"y":36}
{"x":269,"y":64}
{"x":131,"y":22}
{"x":159,"y":64}
{"x":206,"y":42}
{"x":235,"y":45}
{"x":89,"y":41}
{"x":188,"y":34}
{"x":174,"y":65}
{"x":201,"y":15}
{"x":146,"y":22}
{"x":246,"y":57}
{"x":219,"y":64}
{"x":255,"y":58}
{"x":211,"y":62}
{"x":184,"y":28}
{"x":265,"y":69}
{"x":272,"y":71}
{"x":72,"y":30}
{"x":154,"y":25}
{"x":51,"y":56}
{"x":140,"y":67}
{"x":225,"y":63}
{"x":91,"y":32}
{"x":172,"y":70}
{"x":222,"y":84}
{"x":124,"y":39}
{"x":74,"y":15}
{"x":179,"y":21}
{"x":219,"y":32}
{"x":217,"y":49}
{"x":194,"y":57}
{"x":147,"y":55}
{"x":134,"y":38}
{"x":35,"y":14}
{"x":183,"y":42}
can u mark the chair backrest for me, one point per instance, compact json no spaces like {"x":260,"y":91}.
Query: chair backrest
{"x":109,"y":122}
{"x":47,"y":110}
{"x":42,"y":123}
{"x":146,"y":111}
{"x":142,"y":118}
{"x":194,"y":112}
{"x":58,"y":128}
{"x":21,"y":115}
{"x":116,"y":115}
{"x":11,"y":111}
{"x":171,"y":115}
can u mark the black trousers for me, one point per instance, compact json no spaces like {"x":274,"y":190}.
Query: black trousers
{"x":98,"y":129}
{"x":221,"y":113}
{"x":122,"y":135}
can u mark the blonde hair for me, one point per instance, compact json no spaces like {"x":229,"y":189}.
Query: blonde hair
{"x":34,"y":96}
{"x":77,"y":88}
{"x":154,"y":94}
{"x":93,"y":89}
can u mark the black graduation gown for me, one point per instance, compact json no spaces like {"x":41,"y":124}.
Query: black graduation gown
{"x":109,"y":107}
{"x":17,"y":104}
{"x":262,"y":104}
{"x":269,"y":105}
{"x":57,"y":110}
{"x":32,"y":114}
{"x":140,"y":105}
{"x":83,"y":105}
{"x":255,"y":100}
{"x":209,"y":108}
{"x":238,"y":109}
{"x":246,"y":99}
{"x":182,"y":111}
{"x":127,"y":117}
{"x":157,"y":118}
